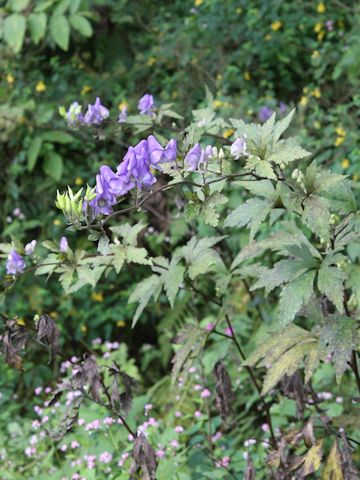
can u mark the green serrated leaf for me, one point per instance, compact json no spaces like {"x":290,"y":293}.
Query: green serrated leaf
{"x":172,"y":279}
{"x":294,"y":295}
{"x":250,"y":214}
{"x":150,"y":287}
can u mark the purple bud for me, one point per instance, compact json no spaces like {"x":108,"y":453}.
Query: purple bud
{"x":238,"y":148}
{"x":15,"y":263}
{"x":64,"y":245}
{"x":30,"y":247}
{"x":146,"y":105}
{"x":123,"y":115}
{"x":265,"y":113}
{"x":96,"y":113}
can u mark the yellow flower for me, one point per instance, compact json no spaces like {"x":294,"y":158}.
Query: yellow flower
{"x":175,"y":94}
{"x":320,"y":36}
{"x":356,"y":177}
{"x":247,"y":76}
{"x":345,"y":163}
{"x":79,"y":181}
{"x":20,"y":321}
{"x":339,"y":141}
{"x":54,"y":315}
{"x":305,"y":90}
{"x":315,"y":54}
{"x":267,"y":38}
{"x":275,"y":26}
{"x":250,"y":111}
{"x":83,"y":328}
{"x":303,"y":101}
{"x":227,"y":133}
{"x":151,"y":61}
{"x":57,"y":222}
{"x":317,"y":124}
{"x":238,"y":10}
{"x":120,"y":323}
{"x":340,"y":132}
{"x":97,"y":297}
{"x":198,"y":3}
{"x":123,"y":104}
{"x":321,"y":8}
{"x":219,"y":77}
{"x":86,"y":89}
{"x":318,"y":27}
{"x":217,"y":103}
{"x":10,"y":79}
{"x":316,"y":92}
{"x":40,"y":87}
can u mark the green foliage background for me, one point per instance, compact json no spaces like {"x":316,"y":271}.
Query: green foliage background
{"x":250,"y":54}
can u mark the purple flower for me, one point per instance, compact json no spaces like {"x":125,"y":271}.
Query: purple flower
{"x":134,"y":170}
{"x":197,"y":157}
{"x":30,"y":247}
{"x":123,"y":115}
{"x":238,"y":148}
{"x":282,"y":108}
{"x":74,"y":116}
{"x":265,"y":113}
{"x":15,"y":263}
{"x":96,"y":113}
{"x":146,"y":105}
{"x":159,"y":154}
{"x":64,"y":245}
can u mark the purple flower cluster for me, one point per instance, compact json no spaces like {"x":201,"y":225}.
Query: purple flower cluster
{"x":95,"y":114}
{"x":136,"y":170}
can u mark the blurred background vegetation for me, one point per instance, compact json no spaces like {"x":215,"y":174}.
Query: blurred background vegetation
{"x":255,"y":57}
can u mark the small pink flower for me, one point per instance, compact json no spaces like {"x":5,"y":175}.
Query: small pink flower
{"x":229,"y":331}
{"x":197,"y":414}
{"x":192,"y":369}
{"x":160,"y":453}
{"x":174,"y":443}
{"x":81,"y":421}
{"x":38,"y":390}
{"x":130,"y":437}
{"x":63,"y":448}
{"x":178,"y":414}
{"x":178,"y":429}
{"x":105,"y":457}
{"x":265,"y":427}
{"x":205,"y":393}
{"x":108,"y":421}
{"x":75,"y":444}
{"x":210,"y":326}
{"x":197,"y":387}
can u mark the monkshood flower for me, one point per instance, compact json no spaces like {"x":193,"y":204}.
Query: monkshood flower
{"x":159,"y":154}
{"x":15,"y":263}
{"x":105,"y":196}
{"x":123,"y":115}
{"x":30,"y":247}
{"x":146,"y":105}
{"x":197,"y":157}
{"x":73,"y":115}
{"x":134,"y":170}
{"x":63,"y":245}
{"x":238,"y":148}
{"x":96,"y":113}
{"x":265,"y":113}
{"x":283,"y":108}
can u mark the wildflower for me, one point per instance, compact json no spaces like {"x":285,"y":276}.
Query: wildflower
{"x":283,"y":108}
{"x":321,"y":8}
{"x":15,"y":263}
{"x":63,"y":245}
{"x":228,"y":133}
{"x":205,"y":393}
{"x":120,"y":323}
{"x":340,"y":132}
{"x":178,"y":429}
{"x":178,"y":414}
{"x":63,"y":448}
{"x":30,"y":247}
{"x":316,"y":92}
{"x":174,"y":443}
{"x":85,"y":89}
{"x":73,"y":115}
{"x":158,"y":154}
{"x":197,"y":414}
{"x":105,"y":457}
{"x":151,"y":61}
{"x":225,"y":461}
{"x":318,"y":27}
{"x":229,"y":331}
{"x":315,"y":54}
{"x":123,"y":115}
{"x":97,"y":297}
{"x":238,"y":148}
{"x":217,"y":103}
{"x":79,"y":181}
{"x":40,"y":87}
{"x":108,"y":421}
{"x":339,"y":400}
{"x":320,"y":36}
{"x":303,"y":101}
{"x":10,"y":79}
{"x":339,"y":141}
{"x":216,"y":437}
{"x":329,"y":25}
{"x":160,"y":453}
{"x":275,"y":26}
{"x":247,"y":76}
{"x":146,"y":105}
{"x":196,"y":157}
{"x":345,"y":163}
{"x":265,"y":113}
{"x":96,"y":113}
